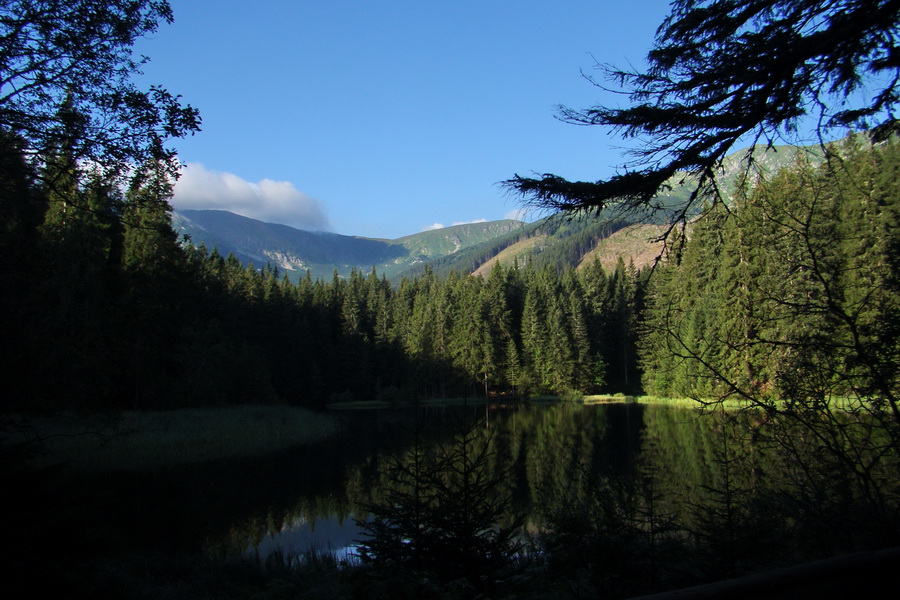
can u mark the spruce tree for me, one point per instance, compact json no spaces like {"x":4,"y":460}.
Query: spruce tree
{"x":153,"y":265}
{"x":150,"y":243}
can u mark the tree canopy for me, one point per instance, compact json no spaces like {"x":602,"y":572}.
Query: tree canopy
{"x":729,"y":72}
{"x":68,"y":66}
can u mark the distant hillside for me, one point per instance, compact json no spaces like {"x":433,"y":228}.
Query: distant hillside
{"x":295,"y":251}
{"x":517,"y":252}
{"x":559,"y":241}
{"x":636,"y":244}
{"x":766,"y":161}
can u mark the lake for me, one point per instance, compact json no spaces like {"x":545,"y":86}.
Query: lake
{"x":620,"y":498}
{"x":308,"y":497}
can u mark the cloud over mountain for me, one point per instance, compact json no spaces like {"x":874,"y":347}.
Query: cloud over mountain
{"x":266,"y":200}
{"x":518,"y":214}
{"x":434,"y":226}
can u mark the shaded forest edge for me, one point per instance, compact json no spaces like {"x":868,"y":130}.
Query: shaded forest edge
{"x":103,"y":309}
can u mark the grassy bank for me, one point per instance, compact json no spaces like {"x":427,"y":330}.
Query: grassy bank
{"x":623,"y":399}
{"x":574,"y":398}
{"x":133,"y":441}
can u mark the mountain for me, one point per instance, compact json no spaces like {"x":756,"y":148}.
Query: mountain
{"x":295,"y":251}
{"x":559,"y":241}
{"x":571,"y":241}
{"x":473,"y":247}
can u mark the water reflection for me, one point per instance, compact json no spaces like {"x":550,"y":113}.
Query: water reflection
{"x":551,"y":456}
{"x":649,"y":493}
{"x":333,"y":535}
{"x":540,"y":449}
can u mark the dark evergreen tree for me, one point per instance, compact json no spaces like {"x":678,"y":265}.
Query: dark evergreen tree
{"x":80,"y":53}
{"x":153,"y":265}
{"x":536,"y":372}
{"x":723,"y":71}
{"x":467,"y":335}
{"x":442,"y":517}
{"x":679,"y":334}
{"x":21,"y":306}
{"x":150,"y":244}
{"x":498,"y":315}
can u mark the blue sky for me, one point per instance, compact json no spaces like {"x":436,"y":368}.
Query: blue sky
{"x":382,"y":119}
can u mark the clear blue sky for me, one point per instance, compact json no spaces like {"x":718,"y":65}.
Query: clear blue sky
{"x":382,"y":119}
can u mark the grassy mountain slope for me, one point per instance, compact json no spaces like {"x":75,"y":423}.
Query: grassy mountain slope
{"x":516,"y":253}
{"x":636,"y":244}
{"x":559,"y":241}
{"x":295,"y":251}
{"x":449,"y":240}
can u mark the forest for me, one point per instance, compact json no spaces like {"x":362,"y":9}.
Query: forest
{"x":141,"y":319}
{"x":806,"y":252}
{"x":789,"y":292}
{"x":783,"y":303}
{"x":774,"y":309}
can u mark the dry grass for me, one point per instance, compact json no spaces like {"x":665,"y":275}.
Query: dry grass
{"x":636,"y":244}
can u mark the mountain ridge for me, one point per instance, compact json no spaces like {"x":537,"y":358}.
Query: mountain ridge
{"x":560,"y":241}
{"x":296,"y":251}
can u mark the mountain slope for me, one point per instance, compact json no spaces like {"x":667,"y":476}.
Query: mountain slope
{"x":559,"y":241}
{"x":295,"y":251}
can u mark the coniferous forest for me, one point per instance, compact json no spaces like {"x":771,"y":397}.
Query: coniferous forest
{"x":797,"y":273}
{"x":140,"y":320}
{"x":774,"y":308}
{"x":789,"y":292}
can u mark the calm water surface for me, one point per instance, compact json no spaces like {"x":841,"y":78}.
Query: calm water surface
{"x":307,"y":497}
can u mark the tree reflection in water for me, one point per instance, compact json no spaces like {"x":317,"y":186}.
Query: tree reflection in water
{"x":603,"y":492}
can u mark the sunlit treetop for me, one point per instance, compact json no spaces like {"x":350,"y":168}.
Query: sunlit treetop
{"x":725,"y":74}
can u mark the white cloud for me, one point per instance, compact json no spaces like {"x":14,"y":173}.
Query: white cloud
{"x":434,"y":226}
{"x":519,"y":214}
{"x":266,"y":200}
